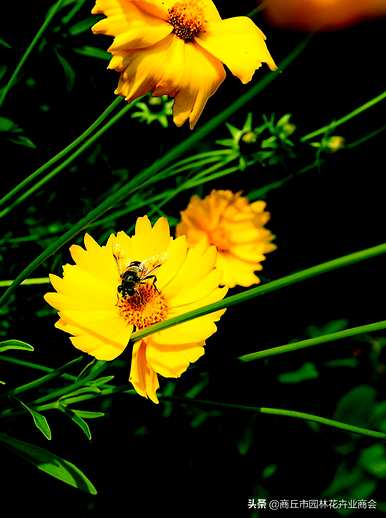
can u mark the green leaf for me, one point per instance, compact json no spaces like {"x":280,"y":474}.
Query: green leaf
{"x":269,"y":470}
{"x":14,"y":133}
{"x":88,"y":414}
{"x":82,"y":26}
{"x":307,"y":371}
{"x":373,"y":460}
{"x":78,"y":392}
{"x":50,"y":463}
{"x":102,"y":381}
{"x":15,"y":345}
{"x":3,"y":43}
{"x":356,"y":406}
{"x":93,"y":52}
{"x":75,"y":416}
{"x":69,"y":72}
{"x":39,"y":420}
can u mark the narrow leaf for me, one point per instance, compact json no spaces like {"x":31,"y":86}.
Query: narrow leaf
{"x":88,"y":414}
{"x":39,"y":420}
{"x":78,"y":420}
{"x":50,"y":463}
{"x":15,"y":345}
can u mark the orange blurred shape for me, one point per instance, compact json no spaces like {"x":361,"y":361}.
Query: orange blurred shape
{"x":313,"y":15}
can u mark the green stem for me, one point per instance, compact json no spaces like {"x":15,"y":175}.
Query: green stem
{"x":252,"y":293}
{"x":60,"y":392}
{"x":150,"y":171}
{"x":28,"y":51}
{"x":68,"y":161}
{"x":343,"y":120}
{"x":26,"y":282}
{"x":283,"y":413}
{"x":61,"y":153}
{"x":74,"y":11}
{"x":55,"y":373}
{"x":311,"y":342}
{"x":32,"y":365}
{"x":366,"y":137}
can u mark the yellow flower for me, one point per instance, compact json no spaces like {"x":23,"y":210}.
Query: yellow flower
{"x":177,"y":48}
{"x":131,"y":283}
{"x":236,"y":227}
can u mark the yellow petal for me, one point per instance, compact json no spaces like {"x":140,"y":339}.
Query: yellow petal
{"x":95,"y":347}
{"x":196,"y":330}
{"x":203,"y":74}
{"x":142,"y":376}
{"x":158,"y":8}
{"x":175,"y":257}
{"x":171,"y":361}
{"x":238,"y":43}
{"x":197,"y":291}
{"x":96,"y":260}
{"x":85,"y":287}
{"x":132,"y":28}
{"x":107,"y":326}
{"x":150,"y":242}
{"x":200,"y":260}
{"x":236,"y":271}
{"x":157,"y":69}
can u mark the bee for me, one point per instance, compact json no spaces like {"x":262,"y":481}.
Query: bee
{"x":135,"y":274}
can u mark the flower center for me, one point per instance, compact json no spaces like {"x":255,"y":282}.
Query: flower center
{"x":220,"y":238}
{"x":146,"y":307}
{"x":187,"y":18}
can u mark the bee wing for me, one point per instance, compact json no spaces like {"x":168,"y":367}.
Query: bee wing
{"x":152,"y":263}
{"x":120,"y":259}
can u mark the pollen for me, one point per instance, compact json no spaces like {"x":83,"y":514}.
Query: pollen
{"x":187,"y":19}
{"x":145,"y":308}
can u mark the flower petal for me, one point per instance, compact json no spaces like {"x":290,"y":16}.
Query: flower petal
{"x":175,"y":257}
{"x":158,"y":8}
{"x":238,"y":43}
{"x":171,"y":361}
{"x":196,"y":330}
{"x":156,"y":69}
{"x":98,"y":332}
{"x":150,"y":242}
{"x":200,"y":260}
{"x":96,"y":260}
{"x":142,"y":376}
{"x":237,"y":271}
{"x":203,"y":75}
{"x":132,"y":28}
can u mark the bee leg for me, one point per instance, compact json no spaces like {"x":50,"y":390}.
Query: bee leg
{"x":153,"y":281}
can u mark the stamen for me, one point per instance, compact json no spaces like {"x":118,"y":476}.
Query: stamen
{"x":188,"y":19}
{"x":146,"y":307}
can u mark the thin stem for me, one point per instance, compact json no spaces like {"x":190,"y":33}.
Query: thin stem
{"x":346,"y":118}
{"x":51,"y":14}
{"x":311,"y":342}
{"x":55,"y":373}
{"x":32,"y":365}
{"x":151,"y":171}
{"x":69,"y":160}
{"x":74,"y":11}
{"x":26,"y":282}
{"x":252,"y":293}
{"x":366,"y":137}
{"x":283,"y":413}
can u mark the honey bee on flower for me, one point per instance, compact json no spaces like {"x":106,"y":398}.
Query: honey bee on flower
{"x":178,"y":48}
{"x":131,"y":283}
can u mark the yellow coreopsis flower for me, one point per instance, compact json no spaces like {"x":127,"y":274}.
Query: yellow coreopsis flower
{"x":236,"y":227}
{"x":132,"y":283}
{"x":178,"y":48}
